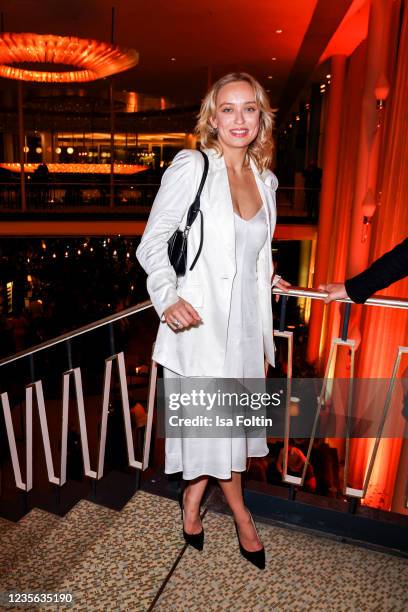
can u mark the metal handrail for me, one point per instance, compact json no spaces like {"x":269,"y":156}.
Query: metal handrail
{"x":389,"y":302}
{"x":78,"y":332}
{"x":379,"y":300}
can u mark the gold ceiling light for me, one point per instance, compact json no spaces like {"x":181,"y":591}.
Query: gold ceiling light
{"x":94,"y":59}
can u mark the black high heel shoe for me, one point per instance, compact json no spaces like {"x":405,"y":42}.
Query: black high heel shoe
{"x":196,"y":540}
{"x":256,"y":557}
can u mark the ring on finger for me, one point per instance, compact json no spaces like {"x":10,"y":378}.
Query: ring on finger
{"x":176,"y":322}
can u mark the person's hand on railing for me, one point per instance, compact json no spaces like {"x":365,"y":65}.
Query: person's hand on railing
{"x":383,"y":272}
{"x":281,"y":284}
{"x":335,"y":291}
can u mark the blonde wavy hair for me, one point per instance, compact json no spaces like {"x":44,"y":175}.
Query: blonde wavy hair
{"x":261,"y":149}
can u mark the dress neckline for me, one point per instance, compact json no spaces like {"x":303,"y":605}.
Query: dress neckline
{"x":251,"y":218}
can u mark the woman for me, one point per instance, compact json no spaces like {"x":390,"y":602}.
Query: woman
{"x":216,"y":321}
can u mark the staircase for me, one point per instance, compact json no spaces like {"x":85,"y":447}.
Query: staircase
{"x":135,"y":559}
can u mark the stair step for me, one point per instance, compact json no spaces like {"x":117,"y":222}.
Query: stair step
{"x":40,"y":536}
{"x":103,"y":557}
{"x":19,"y":539}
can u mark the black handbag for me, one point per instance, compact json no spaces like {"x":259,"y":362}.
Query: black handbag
{"x":177,"y":243}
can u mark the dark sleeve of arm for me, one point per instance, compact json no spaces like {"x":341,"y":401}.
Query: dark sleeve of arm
{"x":388,"y":269}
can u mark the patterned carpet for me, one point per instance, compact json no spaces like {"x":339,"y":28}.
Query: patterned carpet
{"x":113,"y":560}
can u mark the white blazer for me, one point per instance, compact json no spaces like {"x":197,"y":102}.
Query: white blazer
{"x":200,"y":351}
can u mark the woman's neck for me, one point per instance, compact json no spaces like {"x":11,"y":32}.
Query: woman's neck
{"x":235,"y":159}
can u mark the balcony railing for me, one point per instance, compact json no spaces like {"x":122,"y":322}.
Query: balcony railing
{"x":127,"y":195}
{"x":108,"y":365}
{"x":66,"y":196}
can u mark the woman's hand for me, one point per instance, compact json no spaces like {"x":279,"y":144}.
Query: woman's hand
{"x":281,"y":284}
{"x":181,"y":315}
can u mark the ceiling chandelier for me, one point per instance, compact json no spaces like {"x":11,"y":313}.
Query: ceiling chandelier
{"x":94,"y":59}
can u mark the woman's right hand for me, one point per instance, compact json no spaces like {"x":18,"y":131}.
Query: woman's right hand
{"x":181,"y":315}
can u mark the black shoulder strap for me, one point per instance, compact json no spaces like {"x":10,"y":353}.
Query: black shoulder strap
{"x":195,"y":206}
{"x":205,"y":172}
{"x":195,"y":209}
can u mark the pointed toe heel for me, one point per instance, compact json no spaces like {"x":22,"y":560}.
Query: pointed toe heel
{"x":256,"y":557}
{"x":196,"y":540}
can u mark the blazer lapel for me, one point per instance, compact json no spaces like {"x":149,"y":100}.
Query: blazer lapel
{"x":265,"y":193}
{"x":221,"y":203}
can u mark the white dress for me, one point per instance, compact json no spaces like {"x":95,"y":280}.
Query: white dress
{"x":244,"y":359}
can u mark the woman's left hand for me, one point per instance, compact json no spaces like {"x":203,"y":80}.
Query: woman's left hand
{"x":281,"y":284}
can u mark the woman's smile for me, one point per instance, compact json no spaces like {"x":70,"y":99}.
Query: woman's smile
{"x":239,"y":132}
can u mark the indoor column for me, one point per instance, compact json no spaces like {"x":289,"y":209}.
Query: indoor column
{"x":327,"y":198}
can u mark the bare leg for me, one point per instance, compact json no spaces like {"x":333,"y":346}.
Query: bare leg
{"x":192,"y":498}
{"x":232,"y":490}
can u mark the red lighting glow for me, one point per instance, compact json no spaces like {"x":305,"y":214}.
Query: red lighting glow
{"x":96,"y":59}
